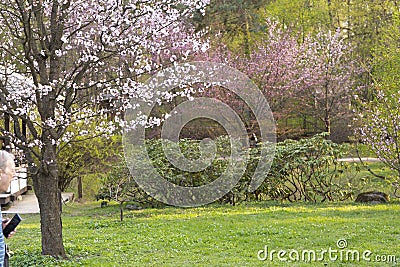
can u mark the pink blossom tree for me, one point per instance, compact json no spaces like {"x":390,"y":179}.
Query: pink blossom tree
{"x":67,"y":63}
{"x":380,"y":128}
{"x":313,"y":79}
{"x":329,"y":79}
{"x":272,"y":65}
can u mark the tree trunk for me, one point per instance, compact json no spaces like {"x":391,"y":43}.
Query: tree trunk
{"x":327,"y":121}
{"x":330,"y":13}
{"x":46,"y":189}
{"x":327,"y":117}
{"x":121,"y":211}
{"x":80,"y":188}
{"x":246,"y":33}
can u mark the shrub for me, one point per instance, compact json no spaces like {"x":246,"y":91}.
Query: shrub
{"x":307,"y":170}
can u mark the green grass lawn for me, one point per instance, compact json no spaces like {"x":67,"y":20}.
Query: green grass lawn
{"x":214,"y":235}
{"x":363,"y":150}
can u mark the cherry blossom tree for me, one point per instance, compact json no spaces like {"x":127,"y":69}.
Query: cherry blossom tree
{"x":330,"y":79}
{"x":311,"y":80}
{"x":67,"y":63}
{"x":380,"y":128}
{"x":272,"y":65}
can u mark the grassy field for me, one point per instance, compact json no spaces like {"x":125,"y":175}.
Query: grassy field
{"x":217,"y":235}
{"x":222,"y":235}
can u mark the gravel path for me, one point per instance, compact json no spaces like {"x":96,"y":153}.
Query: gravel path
{"x":358,"y":160}
{"x":29,"y":204}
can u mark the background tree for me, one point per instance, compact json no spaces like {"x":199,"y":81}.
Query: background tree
{"x":75,"y":56}
{"x":331,"y":79}
{"x":85,"y":156}
{"x":380,"y":117}
{"x":360,"y":22}
{"x":236,"y":23}
{"x":309,"y":82}
{"x":272,"y":65}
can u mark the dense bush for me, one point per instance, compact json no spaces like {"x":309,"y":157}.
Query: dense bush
{"x":118,"y":184}
{"x":307,"y":170}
